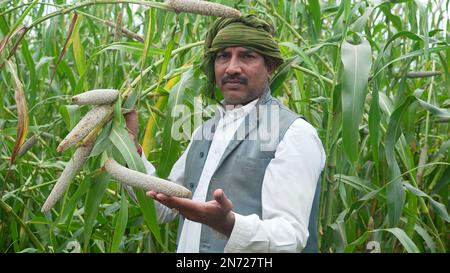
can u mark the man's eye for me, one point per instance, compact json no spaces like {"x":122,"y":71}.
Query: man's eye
{"x":249,"y":56}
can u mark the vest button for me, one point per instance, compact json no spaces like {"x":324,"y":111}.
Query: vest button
{"x":201,"y":154}
{"x":191,"y":185}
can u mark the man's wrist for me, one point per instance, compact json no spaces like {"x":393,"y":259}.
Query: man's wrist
{"x":226,"y":227}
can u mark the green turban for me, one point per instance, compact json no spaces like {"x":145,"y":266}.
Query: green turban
{"x":247,"y":31}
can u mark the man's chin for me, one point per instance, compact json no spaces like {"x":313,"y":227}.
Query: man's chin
{"x":236,"y":100}
{"x":232,"y":96}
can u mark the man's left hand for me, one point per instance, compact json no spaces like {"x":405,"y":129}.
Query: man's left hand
{"x":215,"y":213}
{"x":131,"y":120}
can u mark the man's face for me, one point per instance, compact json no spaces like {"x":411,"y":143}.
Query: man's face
{"x":241,"y":74}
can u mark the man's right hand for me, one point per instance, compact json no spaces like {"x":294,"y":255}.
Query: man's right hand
{"x":216,"y":213}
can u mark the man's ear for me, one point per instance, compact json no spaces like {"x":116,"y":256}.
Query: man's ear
{"x":270,"y":67}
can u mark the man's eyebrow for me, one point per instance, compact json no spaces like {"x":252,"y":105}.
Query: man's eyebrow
{"x":248,"y":51}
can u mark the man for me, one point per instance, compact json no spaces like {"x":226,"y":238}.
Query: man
{"x":246,"y":197}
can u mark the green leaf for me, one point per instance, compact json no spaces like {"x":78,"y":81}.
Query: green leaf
{"x":23,"y":14}
{"x":82,"y":188}
{"x":303,"y":57}
{"x":122,"y":141}
{"x":395,"y":199}
{"x":103,"y":142}
{"x":374,"y":128}
{"x":358,"y":25}
{"x":78,"y":52}
{"x":121,"y":223}
{"x":357,"y":60}
{"x":67,"y":72}
{"x":439,"y":208}
{"x":443,"y":181}
{"x":4,"y":25}
{"x":70,"y":114}
{"x":94,"y":197}
{"x":148,"y":36}
{"x":341,"y":18}
{"x":355,"y":182}
{"x":171,"y":146}
{"x":33,"y":85}
{"x":167,"y":57}
{"x":276,"y":83}
{"x":415,"y":53}
{"x":314,"y":9}
{"x":319,"y":46}
{"x":134,"y":48}
{"x":407,"y":243}
{"x":435,"y":111}
{"x":395,"y":189}
{"x":350,"y":248}
{"x":148,"y":209}
{"x":426,"y":237}
{"x":394,"y":19}
{"x":423,"y":13}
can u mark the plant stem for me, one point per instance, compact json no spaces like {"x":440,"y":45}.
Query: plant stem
{"x":96,"y":2}
{"x":8,"y":210}
{"x":310,"y":72}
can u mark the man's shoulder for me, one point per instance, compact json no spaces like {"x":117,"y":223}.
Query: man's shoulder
{"x":286,"y":115}
{"x":283,"y":108}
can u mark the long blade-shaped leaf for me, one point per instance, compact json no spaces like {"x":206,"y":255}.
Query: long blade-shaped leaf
{"x":439,"y":208}
{"x":170,"y":145}
{"x":395,"y":189}
{"x":122,"y":141}
{"x":407,"y":243}
{"x":78,"y":51}
{"x":66,"y":44}
{"x":167,"y":57}
{"x":22,"y":117}
{"x":23,"y":15}
{"x":357,"y":60}
{"x":435,"y":111}
{"x":129,"y":47}
{"x":314,"y":10}
{"x":93,"y":199}
{"x":150,"y":130}
{"x":121,"y":223}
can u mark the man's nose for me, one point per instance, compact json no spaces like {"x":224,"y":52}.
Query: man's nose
{"x":234,"y":66}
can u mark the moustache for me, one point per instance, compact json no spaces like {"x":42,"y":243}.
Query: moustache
{"x":234,"y":79}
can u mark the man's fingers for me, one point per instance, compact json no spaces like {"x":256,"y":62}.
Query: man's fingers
{"x":131,"y":116}
{"x":169,"y":201}
{"x":222,"y":199}
{"x":151,"y":194}
{"x":131,"y":120}
{"x":161,"y":198}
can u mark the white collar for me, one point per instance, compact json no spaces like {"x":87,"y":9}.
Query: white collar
{"x":236,"y":110}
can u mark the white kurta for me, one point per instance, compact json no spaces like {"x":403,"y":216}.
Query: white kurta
{"x":287,"y":191}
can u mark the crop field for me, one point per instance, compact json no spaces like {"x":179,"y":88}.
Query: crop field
{"x":373,"y":77}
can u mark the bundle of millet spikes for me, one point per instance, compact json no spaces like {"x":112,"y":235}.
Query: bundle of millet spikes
{"x":84,"y":133}
{"x":102,"y":99}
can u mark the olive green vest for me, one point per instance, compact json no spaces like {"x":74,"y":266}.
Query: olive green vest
{"x":241,"y":170}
